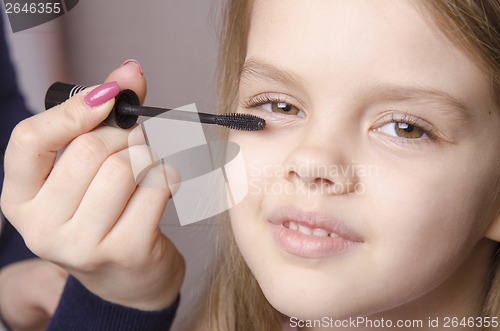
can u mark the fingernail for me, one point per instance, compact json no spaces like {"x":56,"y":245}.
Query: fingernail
{"x":133,"y":62}
{"x":102,"y":94}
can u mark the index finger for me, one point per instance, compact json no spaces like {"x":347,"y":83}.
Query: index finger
{"x":35,"y":141}
{"x":130,"y":76}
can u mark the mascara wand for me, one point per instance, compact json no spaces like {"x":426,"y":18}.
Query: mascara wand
{"x":127,"y":110}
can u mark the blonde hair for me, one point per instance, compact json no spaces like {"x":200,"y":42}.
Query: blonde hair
{"x":234,"y":300}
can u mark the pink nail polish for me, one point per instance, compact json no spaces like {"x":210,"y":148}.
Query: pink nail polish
{"x":134,"y":62}
{"x":102,"y":93}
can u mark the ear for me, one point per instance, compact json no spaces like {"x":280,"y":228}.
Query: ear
{"x":493,"y":230}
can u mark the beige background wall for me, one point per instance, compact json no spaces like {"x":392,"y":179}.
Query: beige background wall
{"x":175,"y":41}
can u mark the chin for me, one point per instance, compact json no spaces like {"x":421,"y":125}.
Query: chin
{"x":305,"y":308}
{"x":307,"y":303}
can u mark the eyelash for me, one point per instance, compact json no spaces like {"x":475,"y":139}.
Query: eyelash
{"x":409,"y":119}
{"x":266,"y":98}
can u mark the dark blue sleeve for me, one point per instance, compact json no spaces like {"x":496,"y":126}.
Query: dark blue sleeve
{"x":12,"y":111}
{"x":12,"y":106}
{"x":81,"y":310}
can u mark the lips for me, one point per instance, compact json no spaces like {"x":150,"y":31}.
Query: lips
{"x":311,"y":233}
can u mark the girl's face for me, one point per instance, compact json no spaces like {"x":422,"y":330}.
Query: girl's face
{"x":369,"y":187}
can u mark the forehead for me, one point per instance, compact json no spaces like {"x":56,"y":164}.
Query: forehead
{"x":348,"y":42}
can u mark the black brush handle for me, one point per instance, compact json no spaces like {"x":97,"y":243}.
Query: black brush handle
{"x":60,"y":92}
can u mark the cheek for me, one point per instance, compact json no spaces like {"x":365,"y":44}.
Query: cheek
{"x":251,"y":234}
{"x":263,"y":155}
{"x":245,"y":216}
{"x":425,"y":219}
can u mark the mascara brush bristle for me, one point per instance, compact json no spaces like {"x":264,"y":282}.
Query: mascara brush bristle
{"x":242,"y":122}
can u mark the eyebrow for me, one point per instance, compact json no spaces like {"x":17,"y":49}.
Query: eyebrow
{"x":255,"y":68}
{"x":425,"y":96}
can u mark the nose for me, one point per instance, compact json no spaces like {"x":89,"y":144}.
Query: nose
{"x":321,"y":169}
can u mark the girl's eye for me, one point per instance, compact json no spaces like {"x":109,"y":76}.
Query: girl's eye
{"x":402,"y":130}
{"x":281,"y":107}
{"x":278,"y":104}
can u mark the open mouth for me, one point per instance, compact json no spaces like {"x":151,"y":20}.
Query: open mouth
{"x":317,"y":232}
{"x":311,"y":234}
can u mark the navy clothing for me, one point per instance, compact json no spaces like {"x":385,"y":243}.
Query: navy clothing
{"x":12,"y":111}
{"x":78,"y":309}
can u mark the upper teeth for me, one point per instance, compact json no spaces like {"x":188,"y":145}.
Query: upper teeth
{"x":311,"y":232}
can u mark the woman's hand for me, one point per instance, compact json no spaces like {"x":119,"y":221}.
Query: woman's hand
{"x":86,"y":212}
{"x":29,"y":293}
